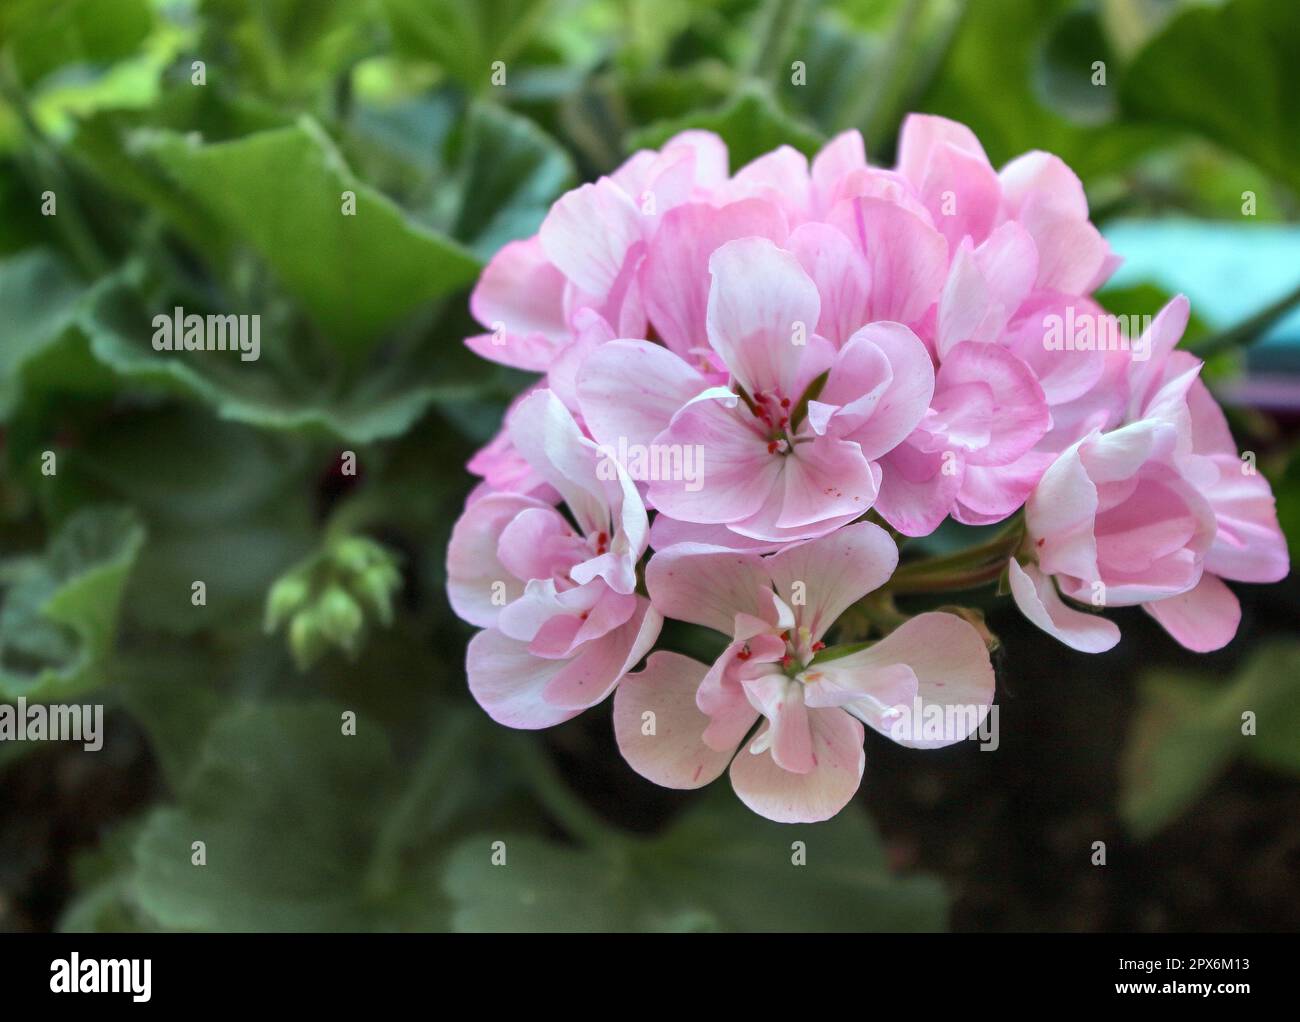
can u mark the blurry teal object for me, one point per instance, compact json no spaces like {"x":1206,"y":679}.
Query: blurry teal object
{"x":1228,"y":272}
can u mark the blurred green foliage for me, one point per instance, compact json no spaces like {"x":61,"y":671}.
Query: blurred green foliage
{"x":220,"y":187}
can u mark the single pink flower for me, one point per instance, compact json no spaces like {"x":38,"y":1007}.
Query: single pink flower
{"x":1115,"y":522}
{"x":587,"y":255}
{"x":805,"y":761}
{"x":562,"y":621}
{"x":946,"y":165}
{"x":1156,"y":512}
{"x":777,"y":466}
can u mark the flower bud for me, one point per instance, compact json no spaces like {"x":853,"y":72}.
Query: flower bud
{"x":287,"y":596}
{"x":306,"y":641}
{"x":340,"y":618}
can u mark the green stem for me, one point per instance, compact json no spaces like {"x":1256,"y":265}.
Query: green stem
{"x":965,"y":569}
{"x":1248,"y":330}
{"x":69,"y":221}
{"x":931,"y":62}
{"x":569,"y":811}
{"x":873,"y":105}
{"x":442,"y":753}
{"x":778,"y":21}
{"x":945,"y":582}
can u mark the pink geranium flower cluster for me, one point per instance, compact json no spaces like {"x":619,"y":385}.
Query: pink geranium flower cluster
{"x":750,"y":374}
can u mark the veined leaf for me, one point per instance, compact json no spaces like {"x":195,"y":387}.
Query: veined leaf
{"x":671,"y":883}
{"x":59,"y":615}
{"x":282,"y":192}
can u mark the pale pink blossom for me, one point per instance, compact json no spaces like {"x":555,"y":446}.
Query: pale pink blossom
{"x":805,"y":760}
{"x":561,"y":617}
{"x":1155,"y":512}
{"x":777,"y":466}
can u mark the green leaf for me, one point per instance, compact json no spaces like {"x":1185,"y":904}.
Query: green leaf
{"x":671,"y":883}
{"x":281,"y":192}
{"x":1064,"y":73}
{"x":1174,"y":751}
{"x":281,"y":393}
{"x":60,"y":610}
{"x":472,"y":170}
{"x":290,"y":47}
{"x":837,"y":59}
{"x":1268,"y":687}
{"x":1287,"y":489}
{"x":175,"y":690}
{"x":464,"y":37}
{"x":288,"y":808}
{"x":1188,"y":729}
{"x":39,"y":296}
{"x":751,"y":124}
{"x":987,"y":82}
{"x":1230,"y":73}
{"x":45,"y":36}
{"x":224,"y":505}
{"x":102,"y":877}
{"x":508,"y":172}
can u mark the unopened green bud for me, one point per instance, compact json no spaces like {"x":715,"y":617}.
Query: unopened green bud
{"x":286,"y":596}
{"x":356,"y":554}
{"x":376,"y":587}
{"x":341,"y":618}
{"x":306,"y":642}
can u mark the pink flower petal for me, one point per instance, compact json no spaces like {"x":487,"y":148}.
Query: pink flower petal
{"x":629,"y":391}
{"x":780,"y":177}
{"x":1020,"y":416}
{"x":825,"y":478}
{"x":759,"y":300}
{"x":841,"y":275}
{"x":1202,"y":619}
{"x":789,"y":731}
{"x":915,"y":490}
{"x":805,"y":798}
{"x":592,"y":674}
{"x":544,"y":433}
{"x":908,"y":258}
{"x":507,"y":681}
{"x":588,"y":234}
{"x":520,"y":298}
{"x":666,"y":531}
{"x":675,"y":274}
{"x":473,"y":568}
{"x":832,"y":573}
{"x":953,"y":675}
{"x":1036,"y":596}
{"x":884,"y":417}
{"x":738,"y":470}
{"x":661,"y":699}
{"x":706,"y":585}
{"x":838,"y":158}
